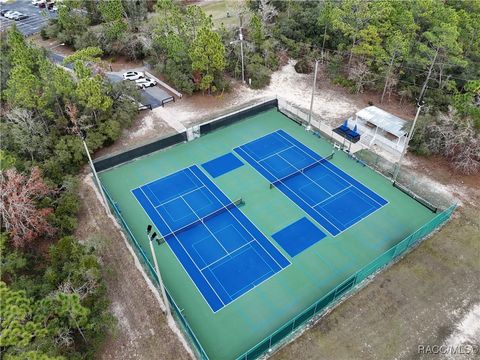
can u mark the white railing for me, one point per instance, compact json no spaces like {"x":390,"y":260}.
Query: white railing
{"x":367,"y":135}
{"x":318,"y":123}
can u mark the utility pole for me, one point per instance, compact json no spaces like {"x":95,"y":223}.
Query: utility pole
{"x":83,"y":136}
{"x":95,"y":173}
{"x":151,"y":238}
{"x":240,"y":16}
{"x":77,"y":130}
{"x":309,"y":125}
{"x":420,"y":104}
{"x":240,"y":36}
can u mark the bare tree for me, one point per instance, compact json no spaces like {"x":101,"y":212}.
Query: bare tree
{"x":20,"y":217}
{"x":456,"y":139}
{"x":361,"y":75}
{"x":28,"y":133}
{"x":268,"y":12}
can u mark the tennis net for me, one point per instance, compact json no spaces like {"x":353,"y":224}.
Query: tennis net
{"x":300,"y":171}
{"x":217,"y":212}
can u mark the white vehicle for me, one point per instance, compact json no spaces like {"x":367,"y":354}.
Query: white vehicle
{"x":4,"y":13}
{"x":133,"y":75}
{"x":12,"y":14}
{"x":144,"y":83}
{"x":37,"y":2}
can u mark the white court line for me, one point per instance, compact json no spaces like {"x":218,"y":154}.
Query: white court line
{"x":241,"y":223}
{"x":274,"y":273}
{"x":308,"y":177}
{"x":343,"y":172}
{"x":271,"y":272}
{"x":168,"y":175}
{"x":329,"y":198}
{"x":183,"y":266}
{"x":223,"y":257}
{"x":295,"y":194}
{"x":211,"y":233}
{"x":211,"y":287}
{"x":275,"y":153}
{"x":336,"y":167}
{"x":179,"y":196}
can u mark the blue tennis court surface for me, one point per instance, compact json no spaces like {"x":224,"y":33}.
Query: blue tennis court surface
{"x":222,"y":165}
{"x":298,"y":236}
{"x":224,"y":254}
{"x":330,"y":196}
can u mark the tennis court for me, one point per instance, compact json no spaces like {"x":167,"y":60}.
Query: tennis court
{"x":330,"y":196}
{"x":224,"y":254}
{"x":259,"y":226}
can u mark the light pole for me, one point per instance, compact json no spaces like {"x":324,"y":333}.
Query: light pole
{"x":420,"y":104}
{"x":240,"y":36}
{"x":157,"y":271}
{"x":241,"y":55}
{"x":309,"y":126}
{"x":83,"y":136}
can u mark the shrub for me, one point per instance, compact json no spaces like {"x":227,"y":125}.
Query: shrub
{"x":259,"y":75}
{"x":88,"y":39}
{"x":177,"y":77}
{"x":50,"y":31}
{"x":346,"y":83}
{"x":43,"y":34}
{"x":222,"y":84}
{"x":303,"y":66}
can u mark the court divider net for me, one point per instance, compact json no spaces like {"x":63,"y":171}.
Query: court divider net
{"x":217,"y":212}
{"x":301,"y":171}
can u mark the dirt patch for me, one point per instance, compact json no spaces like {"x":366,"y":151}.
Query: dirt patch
{"x":439,"y":170}
{"x":147,"y":126}
{"x":52,"y":44}
{"x":142,"y":331}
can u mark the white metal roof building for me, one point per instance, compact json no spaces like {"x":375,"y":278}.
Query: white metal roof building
{"x":381,"y":128}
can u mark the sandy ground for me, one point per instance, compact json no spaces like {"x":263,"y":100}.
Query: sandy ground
{"x":430,"y":297}
{"x":332,"y":103}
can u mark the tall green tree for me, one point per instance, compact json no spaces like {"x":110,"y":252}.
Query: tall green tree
{"x":438,"y":46}
{"x":351,"y":17}
{"x":114,"y":17}
{"x":208,"y":57}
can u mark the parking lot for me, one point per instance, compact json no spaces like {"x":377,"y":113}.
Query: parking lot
{"x":37,"y":18}
{"x":154,"y":96}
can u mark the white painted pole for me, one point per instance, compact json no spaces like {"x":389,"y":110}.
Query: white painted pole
{"x":241,"y":47}
{"x":160,"y":281}
{"x":241,"y":52}
{"x":104,"y":198}
{"x":410,"y":133}
{"x":309,"y":125}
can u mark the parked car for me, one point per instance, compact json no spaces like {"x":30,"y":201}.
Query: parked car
{"x":4,"y":12}
{"x":144,"y":83}
{"x":12,"y":14}
{"x":37,"y":2}
{"x":20,"y":17}
{"x":133,"y":75}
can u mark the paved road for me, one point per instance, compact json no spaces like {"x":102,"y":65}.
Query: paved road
{"x":37,"y":19}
